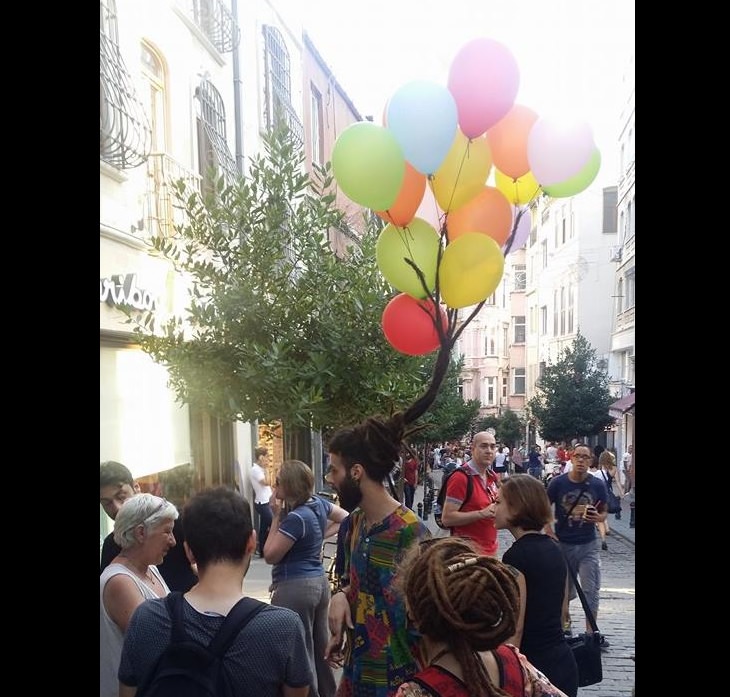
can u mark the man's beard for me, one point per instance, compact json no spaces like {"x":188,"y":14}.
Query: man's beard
{"x":349,"y":494}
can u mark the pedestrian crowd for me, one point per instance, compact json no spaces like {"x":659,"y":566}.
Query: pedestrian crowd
{"x":409,"y":615}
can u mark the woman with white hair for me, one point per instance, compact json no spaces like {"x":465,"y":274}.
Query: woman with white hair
{"x":143,"y":529}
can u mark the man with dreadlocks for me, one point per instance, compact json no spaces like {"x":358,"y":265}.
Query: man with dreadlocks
{"x":465,"y":605}
{"x":378,"y":652}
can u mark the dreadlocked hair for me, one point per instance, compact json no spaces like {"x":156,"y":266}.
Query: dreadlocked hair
{"x":375,"y":444}
{"x":462,"y":597}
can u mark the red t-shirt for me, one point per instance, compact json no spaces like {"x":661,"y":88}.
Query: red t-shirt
{"x":410,"y":471}
{"x":482,"y":531}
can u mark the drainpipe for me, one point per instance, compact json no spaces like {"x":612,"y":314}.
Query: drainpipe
{"x":237,"y":92}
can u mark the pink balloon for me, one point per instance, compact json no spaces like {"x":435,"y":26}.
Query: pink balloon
{"x":483,"y":79}
{"x":558,"y":151}
{"x":520,"y":235}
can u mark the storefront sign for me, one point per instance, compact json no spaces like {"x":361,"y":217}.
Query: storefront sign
{"x":122,"y":291}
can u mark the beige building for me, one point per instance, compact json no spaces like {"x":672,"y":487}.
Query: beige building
{"x":183,"y":85}
{"x":622,"y":355}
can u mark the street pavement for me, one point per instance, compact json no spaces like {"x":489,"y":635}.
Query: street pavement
{"x":616,"y":610}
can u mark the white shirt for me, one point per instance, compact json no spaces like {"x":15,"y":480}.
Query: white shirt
{"x":262,"y":494}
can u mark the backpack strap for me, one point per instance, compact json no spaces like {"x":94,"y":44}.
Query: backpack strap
{"x":236,"y":619}
{"x":512,"y":678}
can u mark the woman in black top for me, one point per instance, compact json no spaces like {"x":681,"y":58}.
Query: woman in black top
{"x":523,"y":508}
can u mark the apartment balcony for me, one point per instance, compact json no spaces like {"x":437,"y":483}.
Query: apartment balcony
{"x":625,"y":319}
{"x":214,"y":20}
{"x":162,"y":212}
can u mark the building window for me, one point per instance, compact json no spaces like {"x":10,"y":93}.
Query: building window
{"x":153,"y":73}
{"x":505,"y":340}
{"x":556,"y":312}
{"x":543,"y":320}
{"x":519,"y":381}
{"x":562,"y":311}
{"x":533,"y":235}
{"x":610,"y":200}
{"x":278,"y":85}
{"x":541,"y":369}
{"x":571,"y":305}
{"x":490,"y":392}
{"x":519,"y":325}
{"x":317,"y":134}
{"x":520,"y":276}
{"x":630,"y":279}
{"x":631,"y":214}
{"x":620,"y":296}
{"x":124,"y":130}
{"x":492,"y":299}
{"x":213,"y":152}
{"x":504,"y":387}
{"x":544,"y":254}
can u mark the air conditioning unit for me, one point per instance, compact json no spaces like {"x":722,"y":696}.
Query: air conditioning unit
{"x":615,"y":253}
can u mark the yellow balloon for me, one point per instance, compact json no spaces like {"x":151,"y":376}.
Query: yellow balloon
{"x":463,"y":172}
{"x":470,"y":270}
{"x":518,"y":191}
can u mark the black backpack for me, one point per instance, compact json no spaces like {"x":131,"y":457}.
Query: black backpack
{"x":441,"y":497}
{"x":187,"y":668}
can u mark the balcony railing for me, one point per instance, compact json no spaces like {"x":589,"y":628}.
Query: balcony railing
{"x":215,"y":21}
{"x":162,"y":212}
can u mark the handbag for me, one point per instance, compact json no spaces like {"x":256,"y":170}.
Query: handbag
{"x":586,"y":647}
{"x":613,"y":502}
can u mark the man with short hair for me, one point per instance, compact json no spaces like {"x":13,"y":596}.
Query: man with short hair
{"x":473,"y":517}
{"x":579,"y":500}
{"x":269,"y":656}
{"x":262,"y":495}
{"x":116,"y":485}
{"x":626,"y":467}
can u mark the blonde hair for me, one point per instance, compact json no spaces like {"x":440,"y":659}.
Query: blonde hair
{"x":607,"y":460}
{"x":297,"y":480}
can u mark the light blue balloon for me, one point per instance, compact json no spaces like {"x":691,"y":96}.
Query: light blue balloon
{"x":422,"y":116}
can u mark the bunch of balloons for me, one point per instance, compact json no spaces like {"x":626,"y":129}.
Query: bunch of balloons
{"x":424,"y":172}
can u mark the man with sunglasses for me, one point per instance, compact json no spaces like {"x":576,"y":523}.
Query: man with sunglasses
{"x":579,"y":500}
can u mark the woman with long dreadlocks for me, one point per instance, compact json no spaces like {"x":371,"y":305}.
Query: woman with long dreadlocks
{"x":465,"y":604}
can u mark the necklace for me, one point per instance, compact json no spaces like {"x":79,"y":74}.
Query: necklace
{"x":147,"y":577}
{"x":440,"y":654}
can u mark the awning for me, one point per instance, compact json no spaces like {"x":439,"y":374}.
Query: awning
{"x":621,"y":406}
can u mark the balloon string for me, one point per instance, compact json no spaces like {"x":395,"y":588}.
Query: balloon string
{"x":458,"y":174}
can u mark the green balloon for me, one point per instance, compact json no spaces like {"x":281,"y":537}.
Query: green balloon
{"x":417,"y":241}
{"x":578,"y":182}
{"x":368,"y":165}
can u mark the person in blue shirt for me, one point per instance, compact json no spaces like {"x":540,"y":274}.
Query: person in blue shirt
{"x":579,"y":500}
{"x":294,"y":547}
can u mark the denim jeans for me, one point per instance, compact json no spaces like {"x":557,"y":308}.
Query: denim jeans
{"x":585,"y":560}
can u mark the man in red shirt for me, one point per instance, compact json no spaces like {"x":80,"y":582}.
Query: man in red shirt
{"x":410,"y":477}
{"x":473,"y":517}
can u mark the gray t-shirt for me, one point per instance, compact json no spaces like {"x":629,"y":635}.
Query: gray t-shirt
{"x":269,"y":651}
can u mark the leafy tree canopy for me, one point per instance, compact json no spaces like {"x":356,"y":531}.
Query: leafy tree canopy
{"x":572,"y":398}
{"x":508,"y":428}
{"x":278,"y":327}
{"x":450,"y":417}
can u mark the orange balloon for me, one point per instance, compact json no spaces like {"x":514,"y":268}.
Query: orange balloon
{"x":409,"y":198}
{"x":508,"y":141}
{"x":488,"y":212}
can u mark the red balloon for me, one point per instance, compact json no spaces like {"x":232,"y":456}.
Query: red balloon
{"x":408,"y":325}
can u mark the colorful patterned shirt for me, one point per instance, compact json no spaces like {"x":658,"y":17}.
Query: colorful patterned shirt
{"x":380,"y":652}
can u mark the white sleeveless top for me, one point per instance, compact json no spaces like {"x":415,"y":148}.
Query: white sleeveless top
{"x":110,"y":636}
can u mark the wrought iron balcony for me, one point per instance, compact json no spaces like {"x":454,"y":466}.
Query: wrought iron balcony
{"x":215,"y":21}
{"x":162,"y":213}
{"x":283,"y":111}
